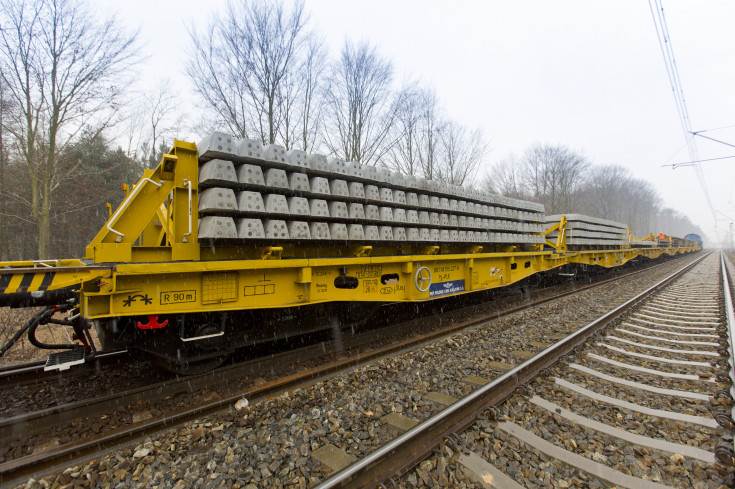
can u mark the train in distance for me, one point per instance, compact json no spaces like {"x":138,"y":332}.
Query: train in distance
{"x":694,"y":238}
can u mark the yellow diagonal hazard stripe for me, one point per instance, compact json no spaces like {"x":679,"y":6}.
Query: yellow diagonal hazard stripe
{"x":25,"y":282}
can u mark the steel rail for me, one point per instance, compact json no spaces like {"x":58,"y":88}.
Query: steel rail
{"x":14,"y":375}
{"x":13,"y":470}
{"x":410,"y":448}
{"x":730,"y":317}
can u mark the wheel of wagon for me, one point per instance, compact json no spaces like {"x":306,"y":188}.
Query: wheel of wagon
{"x":203,"y":344}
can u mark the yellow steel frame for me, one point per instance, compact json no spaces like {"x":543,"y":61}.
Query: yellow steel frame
{"x":560,"y":245}
{"x":38,"y":276}
{"x":168,"y":288}
{"x":147,"y":260}
{"x":152,"y":223}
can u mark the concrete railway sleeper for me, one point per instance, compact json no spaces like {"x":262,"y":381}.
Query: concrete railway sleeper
{"x":590,"y":418}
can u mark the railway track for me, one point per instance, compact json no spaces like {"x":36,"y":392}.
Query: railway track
{"x":12,"y":376}
{"x":641,"y":405}
{"x":14,"y":470}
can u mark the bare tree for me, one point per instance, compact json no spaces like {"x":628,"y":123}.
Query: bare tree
{"x":421,"y":143}
{"x":361,"y":105}
{"x":504,"y":178}
{"x":611,"y":192}
{"x":163,"y":122}
{"x":673,"y":223}
{"x":415,"y":133}
{"x":428,"y":135}
{"x":241,"y":62}
{"x":565,"y":182}
{"x":402,"y":157}
{"x":641,"y":205}
{"x":603,"y":190}
{"x":553,"y":175}
{"x":4,"y":105}
{"x":219,"y":78}
{"x":313,"y":69}
{"x":153,"y":123}
{"x":605,"y":185}
{"x":461,"y":153}
{"x":287,"y":105}
{"x":65,"y":71}
{"x":301,"y":96}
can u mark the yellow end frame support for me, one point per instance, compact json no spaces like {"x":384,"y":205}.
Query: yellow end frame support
{"x":561,"y":239}
{"x":158,"y":217}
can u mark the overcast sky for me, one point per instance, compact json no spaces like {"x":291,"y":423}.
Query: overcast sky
{"x":587,"y":74}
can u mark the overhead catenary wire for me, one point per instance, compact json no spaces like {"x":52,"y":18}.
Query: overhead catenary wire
{"x":713,"y":139}
{"x":715,"y":129}
{"x":691,"y":163}
{"x":672,"y":71}
{"x":676,"y":86}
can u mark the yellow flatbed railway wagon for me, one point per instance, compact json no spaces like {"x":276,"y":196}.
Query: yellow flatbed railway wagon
{"x":232,"y":242}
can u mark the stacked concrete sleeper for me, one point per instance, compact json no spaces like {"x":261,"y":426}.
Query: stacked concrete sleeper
{"x":592,"y":231}
{"x":250,"y":192}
